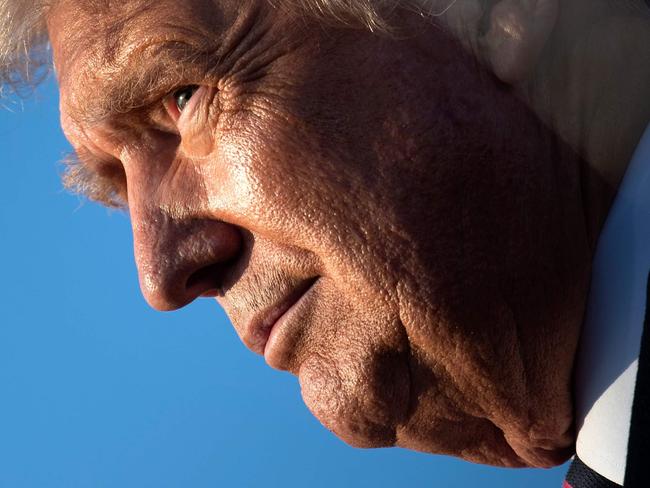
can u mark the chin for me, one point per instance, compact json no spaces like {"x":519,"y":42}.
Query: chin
{"x":363,"y":404}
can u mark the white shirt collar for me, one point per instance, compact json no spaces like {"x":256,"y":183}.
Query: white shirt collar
{"x":609,"y":347}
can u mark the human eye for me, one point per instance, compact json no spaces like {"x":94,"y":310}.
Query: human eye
{"x":183,"y":96}
{"x":182,"y":100}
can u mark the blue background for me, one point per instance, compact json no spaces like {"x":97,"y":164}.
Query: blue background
{"x":98,"y":390}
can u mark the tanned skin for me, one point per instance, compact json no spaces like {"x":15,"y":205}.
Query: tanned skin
{"x":434,"y":225}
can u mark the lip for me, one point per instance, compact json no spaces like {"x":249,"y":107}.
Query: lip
{"x":281,"y":343}
{"x":263,"y":324}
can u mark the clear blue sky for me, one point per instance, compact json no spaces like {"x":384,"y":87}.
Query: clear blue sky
{"x":97,"y":390}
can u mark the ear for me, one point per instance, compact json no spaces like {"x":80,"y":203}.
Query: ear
{"x":515,"y":35}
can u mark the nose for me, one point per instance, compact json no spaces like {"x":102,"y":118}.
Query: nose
{"x":182,"y":249}
{"x":180,"y":259}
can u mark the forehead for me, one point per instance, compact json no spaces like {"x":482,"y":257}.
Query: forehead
{"x":108,"y":30}
{"x":98,"y":44}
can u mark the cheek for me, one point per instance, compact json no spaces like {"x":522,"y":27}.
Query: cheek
{"x":275,"y":179}
{"x":197,"y":144}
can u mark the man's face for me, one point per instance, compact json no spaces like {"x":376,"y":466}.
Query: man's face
{"x":376,"y":214}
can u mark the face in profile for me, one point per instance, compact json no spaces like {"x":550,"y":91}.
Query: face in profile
{"x":376,"y":214}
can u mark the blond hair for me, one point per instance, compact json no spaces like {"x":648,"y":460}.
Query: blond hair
{"x":23,"y":43}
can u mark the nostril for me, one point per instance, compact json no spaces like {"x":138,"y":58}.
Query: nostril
{"x":206,"y":280}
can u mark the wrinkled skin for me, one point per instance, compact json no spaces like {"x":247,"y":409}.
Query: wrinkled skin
{"x":440,"y":223}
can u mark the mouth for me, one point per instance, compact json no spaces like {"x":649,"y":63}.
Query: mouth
{"x":262,"y":328}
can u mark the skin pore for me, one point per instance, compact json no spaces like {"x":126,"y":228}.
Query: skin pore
{"x":419,"y":192}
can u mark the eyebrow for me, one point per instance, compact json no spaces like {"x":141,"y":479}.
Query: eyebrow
{"x":80,"y":177}
{"x":141,"y":77}
{"x":134,"y":65}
